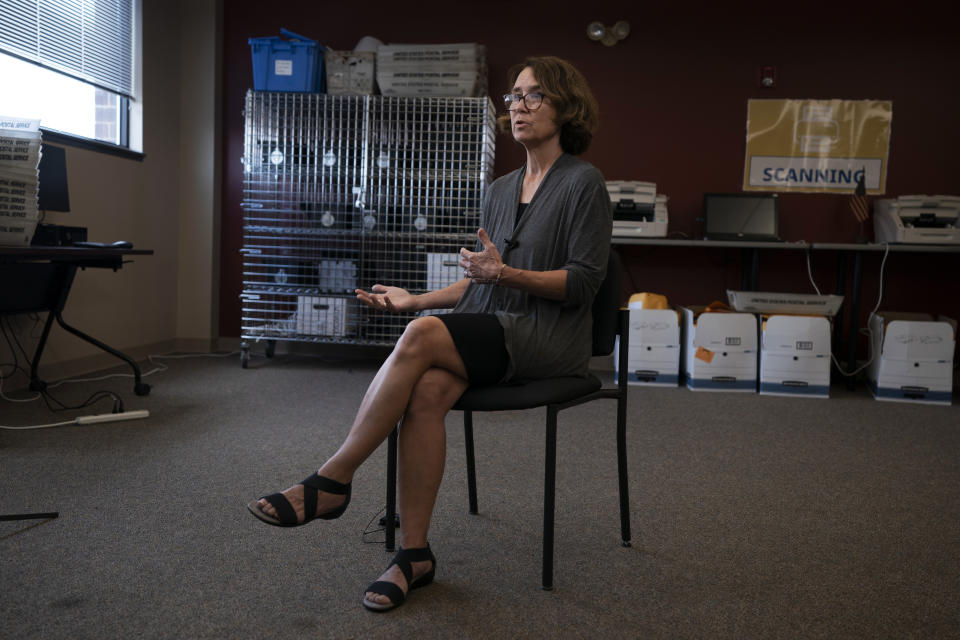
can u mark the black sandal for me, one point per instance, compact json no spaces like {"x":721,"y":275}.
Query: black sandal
{"x":288,"y":516}
{"x":403,"y":559}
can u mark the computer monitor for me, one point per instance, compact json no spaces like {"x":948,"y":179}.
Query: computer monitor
{"x":740,"y":216}
{"x":52,"y":192}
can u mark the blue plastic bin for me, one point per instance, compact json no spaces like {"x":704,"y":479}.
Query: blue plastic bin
{"x":292,"y":64}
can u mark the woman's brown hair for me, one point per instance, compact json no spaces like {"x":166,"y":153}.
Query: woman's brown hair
{"x":578,"y":114}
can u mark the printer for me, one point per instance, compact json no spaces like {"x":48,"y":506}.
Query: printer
{"x":917,"y":219}
{"x":637,"y":209}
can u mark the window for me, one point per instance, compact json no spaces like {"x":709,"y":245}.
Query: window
{"x":71,"y":64}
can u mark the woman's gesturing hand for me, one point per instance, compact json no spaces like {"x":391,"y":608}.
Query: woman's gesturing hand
{"x":387,"y":298}
{"x":484,"y":266}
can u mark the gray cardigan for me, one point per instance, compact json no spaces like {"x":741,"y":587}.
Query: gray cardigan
{"x":567,"y":225}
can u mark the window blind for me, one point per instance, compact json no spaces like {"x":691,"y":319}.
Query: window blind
{"x":91,"y":40}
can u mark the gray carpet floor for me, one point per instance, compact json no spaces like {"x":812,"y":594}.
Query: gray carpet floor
{"x":753,"y":517}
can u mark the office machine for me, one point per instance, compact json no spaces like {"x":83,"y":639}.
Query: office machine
{"x":637,"y":209}
{"x":917,"y":219}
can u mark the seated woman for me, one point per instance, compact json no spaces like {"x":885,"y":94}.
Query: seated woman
{"x":522,"y":310}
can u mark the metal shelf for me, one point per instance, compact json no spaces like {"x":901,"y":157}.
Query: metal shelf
{"x":342,"y":192}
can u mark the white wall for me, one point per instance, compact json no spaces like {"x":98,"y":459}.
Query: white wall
{"x":167,"y":202}
{"x":199,"y":179}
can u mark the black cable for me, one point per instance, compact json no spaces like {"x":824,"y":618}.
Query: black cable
{"x":13,"y":333}
{"x":16,"y":361}
{"x":13,"y":352}
{"x":93,"y":399}
{"x":367,"y":531}
{"x":45,"y":395}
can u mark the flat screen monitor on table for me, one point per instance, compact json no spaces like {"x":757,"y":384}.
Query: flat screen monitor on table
{"x":740,"y":216}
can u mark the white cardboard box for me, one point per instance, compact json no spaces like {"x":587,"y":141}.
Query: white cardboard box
{"x":350,"y":73}
{"x":338,"y":275}
{"x":326,"y":316}
{"x":443,"y":269}
{"x":719,"y":351}
{"x":653,"y":357}
{"x":795,"y":356}
{"x":912,"y":358}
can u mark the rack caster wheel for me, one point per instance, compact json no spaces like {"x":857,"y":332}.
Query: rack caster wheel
{"x":271,"y":348}
{"x":244,"y":354}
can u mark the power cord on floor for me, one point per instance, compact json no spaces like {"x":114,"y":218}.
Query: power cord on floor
{"x":866,"y":330}
{"x":15,"y":346}
{"x":382,"y":526}
{"x":158,"y":367}
{"x":49,"y":398}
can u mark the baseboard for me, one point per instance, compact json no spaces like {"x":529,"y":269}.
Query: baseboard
{"x":100,"y":361}
{"x":50,"y":372}
{"x":329,"y":351}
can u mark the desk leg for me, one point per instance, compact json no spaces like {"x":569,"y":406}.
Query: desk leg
{"x":750,"y":271}
{"x":36,"y":384}
{"x":390,"y":521}
{"x":840,"y":290}
{"x":140,"y":388}
{"x":30,"y":516}
{"x":853,"y":333}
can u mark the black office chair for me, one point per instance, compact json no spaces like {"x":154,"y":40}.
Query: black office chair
{"x":555,"y":394}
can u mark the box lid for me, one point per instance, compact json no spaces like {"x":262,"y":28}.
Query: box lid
{"x":918,"y":340}
{"x":802,"y":336}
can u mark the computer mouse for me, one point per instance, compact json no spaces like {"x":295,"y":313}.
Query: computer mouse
{"x":121,"y":244}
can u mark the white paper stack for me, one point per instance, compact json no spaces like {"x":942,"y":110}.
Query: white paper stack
{"x":19,"y":177}
{"x":432,"y":69}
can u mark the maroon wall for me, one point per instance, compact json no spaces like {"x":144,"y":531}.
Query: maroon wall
{"x":673,"y":100}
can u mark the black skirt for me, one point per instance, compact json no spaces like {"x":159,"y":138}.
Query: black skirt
{"x":481,"y":344}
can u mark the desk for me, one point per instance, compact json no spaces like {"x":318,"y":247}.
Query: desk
{"x":749,"y":275}
{"x":34,"y":279}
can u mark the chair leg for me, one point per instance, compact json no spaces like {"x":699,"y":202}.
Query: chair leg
{"x":390,"y":519}
{"x":622,"y":386}
{"x":471,"y":466}
{"x":622,"y":472}
{"x":549,"y":496}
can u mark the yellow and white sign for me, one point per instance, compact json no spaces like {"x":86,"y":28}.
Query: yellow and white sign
{"x":817,"y":146}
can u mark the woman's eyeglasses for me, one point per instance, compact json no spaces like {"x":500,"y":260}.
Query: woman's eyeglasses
{"x":531,"y":101}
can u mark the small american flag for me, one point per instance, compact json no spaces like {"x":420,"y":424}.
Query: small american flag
{"x":858,"y":203}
